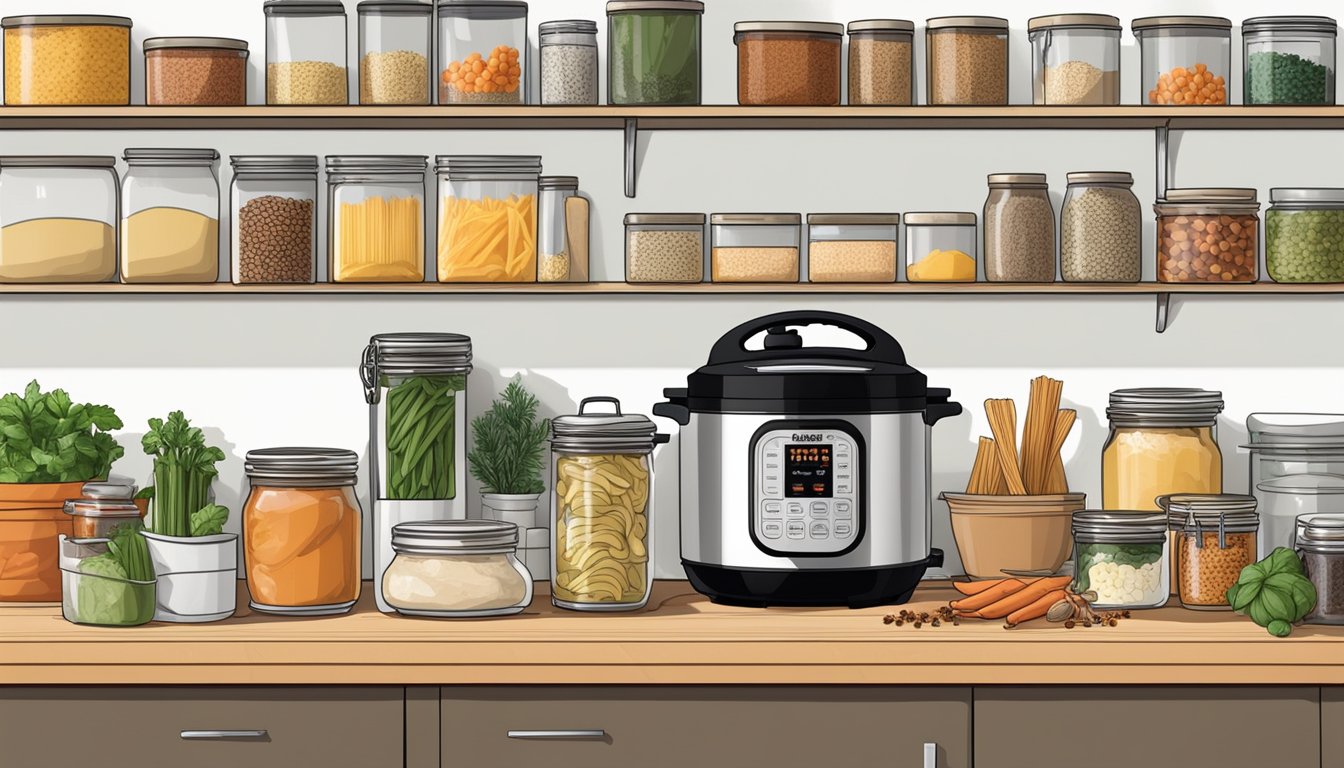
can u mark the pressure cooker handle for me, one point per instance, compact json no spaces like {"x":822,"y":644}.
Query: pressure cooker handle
{"x":732,"y":346}
{"x":676,"y":408}
{"x":939,"y":406}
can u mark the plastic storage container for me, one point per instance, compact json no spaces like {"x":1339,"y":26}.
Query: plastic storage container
{"x":456,"y":569}
{"x":1075,"y":59}
{"x":653,"y":52}
{"x":1282,"y":500}
{"x":1123,"y":557}
{"x":1283,"y":444}
{"x":664,"y":247}
{"x":482,"y":52}
{"x":1304,"y":235}
{"x":90,"y":597}
{"x":1208,"y":236}
{"x":1320,"y":544}
{"x":852,"y":247}
{"x":1215,"y":538}
{"x":102,"y":507}
{"x":1100,"y":229}
{"x":754,"y":247}
{"x":394,"y":51}
{"x":940,"y":247}
{"x":1019,"y":229}
{"x":58,"y":219}
{"x":67,"y":60}
{"x":274,"y":213}
{"x":602,"y":505}
{"x":966,"y":60}
{"x":881,"y":62}
{"x":195,"y":71}
{"x":568,"y":61}
{"x":1288,"y":60}
{"x":1161,"y":442}
{"x":376,"y":218}
{"x":305,"y":52}
{"x":488,"y":218}
{"x":562,"y":236}
{"x":170,"y":216}
{"x":1185,"y":60}
{"x":771,"y":54}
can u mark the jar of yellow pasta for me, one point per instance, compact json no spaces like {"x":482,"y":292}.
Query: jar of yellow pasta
{"x":603,"y":470}
{"x":488,"y":218}
{"x":67,"y":60}
{"x":376,"y":218}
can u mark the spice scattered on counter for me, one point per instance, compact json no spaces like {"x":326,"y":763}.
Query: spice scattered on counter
{"x":942,"y":266}
{"x":394,"y":77}
{"x":943,"y":615}
{"x":488,"y":240}
{"x":483,"y":79}
{"x":801,"y":70}
{"x":1305,"y":246}
{"x":195,"y":76}
{"x":879,"y":71}
{"x":1078,"y":82}
{"x":1275,"y":592}
{"x":1100,"y":237}
{"x":1020,"y":240}
{"x":553,"y":268}
{"x":275,"y":240}
{"x":768,"y":264}
{"x":169,"y":245}
{"x":568,"y":74}
{"x":380,"y":239}
{"x":600,"y":528}
{"x":58,"y":249}
{"x":305,"y":82}
{"x":1207,"y":249}
{"x":968,"y":68}
{"x":75,"y":64}
{"x":1208,"y":570}
{"x":851,"y":261}
{"x":1193,"y":86}
{"x":671,"y":256}
{"x":1285,"y":78}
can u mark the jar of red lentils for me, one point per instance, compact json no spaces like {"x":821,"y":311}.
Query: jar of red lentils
{"x":1215,"y":538}
{"x":1208,"y":235}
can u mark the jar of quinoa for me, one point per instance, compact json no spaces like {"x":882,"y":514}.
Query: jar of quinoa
{"x":1215,"y":538}
{"x":771,"y":54}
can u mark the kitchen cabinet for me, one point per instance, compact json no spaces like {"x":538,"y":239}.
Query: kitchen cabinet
{"x":1332,"y":725}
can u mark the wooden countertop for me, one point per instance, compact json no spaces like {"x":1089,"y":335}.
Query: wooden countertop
{"x":680,"y":639}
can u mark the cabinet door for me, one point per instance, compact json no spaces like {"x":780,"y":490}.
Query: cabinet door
{"x":1153,"y":727}
{"x":1332,"y":725}
{"x":688,"y":726}
{"x":230,"y":727}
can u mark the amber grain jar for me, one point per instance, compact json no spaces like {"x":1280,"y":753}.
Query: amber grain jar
{"x":788,"y":63}
{"x":1215,"y":539}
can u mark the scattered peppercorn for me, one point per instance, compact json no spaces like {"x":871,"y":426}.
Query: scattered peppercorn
{"x":1070,"y":624}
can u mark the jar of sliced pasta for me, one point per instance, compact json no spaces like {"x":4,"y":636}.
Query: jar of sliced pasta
{"x":602,"y":465}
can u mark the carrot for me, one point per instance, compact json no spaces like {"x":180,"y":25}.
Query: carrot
{"x":1023,"y":597}
{"x":987,"y":597}
{"x":1036,"y":610}
{"x":969,"y":588}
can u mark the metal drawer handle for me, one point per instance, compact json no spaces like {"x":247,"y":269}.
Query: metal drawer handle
{"x":930,"y":755}
{"x":207,"y":735}
{"x":583,"y":734}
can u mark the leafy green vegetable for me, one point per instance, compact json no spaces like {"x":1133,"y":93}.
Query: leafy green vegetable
{"x":132,"y":551}
{"x":46,"y":438}
{"x":107,"y":593}
{"x":421,"y":436}
{"x":184,"y":467}
{"x":1274,"y":592}
{"x":209,"y":520}
{"x":510,"y":443}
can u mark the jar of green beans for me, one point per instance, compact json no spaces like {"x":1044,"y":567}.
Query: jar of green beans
{"x":1304,"y":235}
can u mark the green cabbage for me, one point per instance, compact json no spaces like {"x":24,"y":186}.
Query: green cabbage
{"x":104,"y":596}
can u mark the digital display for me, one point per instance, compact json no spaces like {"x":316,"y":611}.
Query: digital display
{"x":807,"y":471}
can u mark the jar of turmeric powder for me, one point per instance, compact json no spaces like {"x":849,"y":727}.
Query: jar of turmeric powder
{"x":301,"y":528}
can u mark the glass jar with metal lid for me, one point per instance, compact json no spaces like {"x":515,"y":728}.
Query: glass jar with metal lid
{"x":1208,"y":235}
{"x":1101,"y":229}
{"x":301,"y":529}
{"x":664,"y":247}
{"x":754,"y":247}
{"x":1075,"y":59}
{"x":562,"y":236}
{"x":1019,"y":229}
{"x":482,"y":52}
{"x":1215,"y":539}
{"x":70,"y":60}
{"x":770,"y":54}
{"x":58,"y":219}
{"x":1288,"y":60}
{"x":1304,"y":235}
{"x":376,"y":218}
{"x":602,"y":465}
{"x":305,"y":52}
{"x":881,"y":62}
{"x":966,"y":58}
{"x":940,"y":247}
{"x":274,"y":227}
{"x":170,"y":216}
{"x":1122,"y":557}
{"x":416,"y":387}
{"x":568,"y":61}
{"x":195,"y":71}
{"x":102,"y":507}
{"x":1162,"y":441}
{"x":488,"y":218}
{"x":1284,"y":444}
{"x":456,"y":569}
{"x":1284,"y":499}
{"x":1320,"y":544}
{"x":653,"y":52}
{"x":394,"y":50}
{"x":1185,"y":60}
{"x":852,"y":247}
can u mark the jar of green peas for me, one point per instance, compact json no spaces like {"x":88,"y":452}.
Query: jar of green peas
{"x":1304,"y":235}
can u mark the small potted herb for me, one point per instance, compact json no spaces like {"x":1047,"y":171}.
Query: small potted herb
{"x":196,"y":562}
{"x":507,"y":456}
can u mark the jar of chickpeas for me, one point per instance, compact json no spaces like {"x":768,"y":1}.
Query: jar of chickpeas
{"x":482,"y":52}
{"x":1186,"y":60}
{"x":1208,"y":236}
{"x":67,"y":60}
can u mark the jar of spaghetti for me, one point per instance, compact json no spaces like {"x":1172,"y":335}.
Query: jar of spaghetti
{"x":1215,"y":539}
{"x":376,"y":218}
{"x":301,"y":527}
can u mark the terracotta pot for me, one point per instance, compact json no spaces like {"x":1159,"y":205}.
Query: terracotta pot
{"x":31,"y":519}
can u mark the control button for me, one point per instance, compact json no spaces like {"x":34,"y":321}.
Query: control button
{"x":797,"y":489}
{"x":842,"y":465}
{"x":842,"y":528}
{"x":843,"y":511}
{"x":796,"y":529}
{"x":795,"y":509}
{"x":772,"y":477}
{"x":820,"y":530}
{"x":772,"y":529}
{"x":842,"y":449}
{"x":772,"y":509}
{"x":819,"y":509}
{"x":769,"y":465}
{"x":830,"y":438}
{"x":842,"y":486}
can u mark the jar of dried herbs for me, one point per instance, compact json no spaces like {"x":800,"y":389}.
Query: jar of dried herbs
{"x":1320,"y":543}
{"x":1215,"y":539}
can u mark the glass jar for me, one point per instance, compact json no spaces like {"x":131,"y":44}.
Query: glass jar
{"x":664,"y":247}
{"x":653,"y":52}
{"x":1122,"y":556}
{"x":89,"y":596}
{"x":881,"y":62}
{"x":376,"y":218}
{"x":1320,"y":544}
{"x":67,"y":60}
{"x":1186,"y":60}
{"x":195,"y":71}
{"x":852,"y":247}
{"x":482,"y":52}
{"x":1215,"y":538}
{"x":1284,"y":499}
{"x":754,"y":247}
{"x":1101,"y":229}
{"x":1075,"y":59}
{"x":601,"y":507}
{"x":456,"y":569}
{"x":562,"y":238}
{"x":1283,"y":444}
{"x":416,"y":387}
{"x":170,"y":216}
{"x":1161,"y":442}
{"x":305,"y":52}
{"x":394,"y":46}
{"x":940,"y":247}
{"x":1019,"y":229}
{"x":102,"y":507}
{"x":966,"y":58}
{"x":770,"y":54}
{"x":274,"y":206}
{"x":568,"y":62}
{"x":1304,"y":235}
{"x":488,"y":218}
{"x":58,"y":219}
{"x":1288,"y":60}
{"x":1208,"y":236}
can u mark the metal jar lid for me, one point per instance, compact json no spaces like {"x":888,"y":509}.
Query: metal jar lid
{"x":301,"y":467}
{"x":857,"y":219}
{"x":1321,"y":25}
{"x":455,"y":537}
{"x":76,"y":20}
{"x":104,"y":499}
{"x":678,"y":219}
{"x":1018,"y":180}
{"x":558,"y":182}
{"x":940,"y":219}
{"x":1319,"y":533}
{"x":967,"y":22}
{"x":57,"y":161}
{"x":413,"y":354}
{"x":1161,"y":22}
{"x":170,"y":157}
{"x":214,"y":43}
{"x":1306,"y":195}
{"x":376,"y":163}
{"x":1074,"y":21}
{"x":882,"y":25}
{"x":483,"y":9}
{"x":617,"y":432}
{"x":302,"y":8}
{"x":805,"y":27}
{"x":1103,"y":527}
{"x":395,"y":8}
{"x":637,"y":6}
{"x":1164,"y":407}
{"x":1100,"y":177}
{"x":306,"y":164}
{"x":488,"y":167}
{"x":1230,"y":512}
{"x":1211,"y":195}
{"x":756,"y":218}
{"x":567,"y":27}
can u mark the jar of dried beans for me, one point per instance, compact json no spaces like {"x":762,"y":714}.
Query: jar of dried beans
{"x":1320,"y":544}
{"x":1019,"y":229}
{"x":881,"y":62}
{"x":792,"y":63}
{"x":1186,"y":60}
{"x":274,"y":228}
{"x":1208,"y":236}
{"x":1215,"y":538}
{"x":482,"y":52}
{"x":1075,"y":59}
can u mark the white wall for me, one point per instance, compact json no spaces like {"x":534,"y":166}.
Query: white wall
{"x":276,"y":370}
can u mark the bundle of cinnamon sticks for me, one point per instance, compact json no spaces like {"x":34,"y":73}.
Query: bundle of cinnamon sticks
{"x":1038,"y":469}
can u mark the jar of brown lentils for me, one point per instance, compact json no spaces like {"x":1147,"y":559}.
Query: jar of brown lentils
{"x":274,"y":233}
{"x":1215,"y":539}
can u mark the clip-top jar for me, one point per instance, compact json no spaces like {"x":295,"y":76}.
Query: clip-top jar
{"x":1122,"y":556}
{"x":376,"y":218}
{"x":456,"y":569}
{"x":170,"y":216}
{"x":305,"y":52}
{"x":1319,"y":541}
{"x":1215,"y":539}
{"x":274,"y":227}
{"x":1288,"y":60}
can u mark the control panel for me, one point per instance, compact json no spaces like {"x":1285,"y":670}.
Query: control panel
{"x":806,"y":498}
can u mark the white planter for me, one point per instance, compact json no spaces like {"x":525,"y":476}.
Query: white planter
{"x":517,"y":508}
{"x":198,"y":576}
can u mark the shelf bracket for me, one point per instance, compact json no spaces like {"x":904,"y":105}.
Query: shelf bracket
{"x":1163,"y":311}
{"x":1164,"y":174}
{"x":631,"y":151}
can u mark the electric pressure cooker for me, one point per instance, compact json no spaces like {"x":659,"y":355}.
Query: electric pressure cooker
{"x":805,"y":470}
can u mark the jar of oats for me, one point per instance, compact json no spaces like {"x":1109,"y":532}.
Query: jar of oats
{"x":881,"y":62}
{"x":67,"y":60}
{"x":852,"y":247}
{"x":664,"y":247}
{"x":754,"y":247}
{"x":967,"y":60}
{"x":1215,"y":539}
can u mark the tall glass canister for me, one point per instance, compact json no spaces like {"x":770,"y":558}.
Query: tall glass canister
{"x":482,"y":52}
{"x":305,"y":52}
{"x":568,"y":61}
{"x":170,"y":216}
{"x":274,"y":228}
{"x":562,"y":231}
{"x":416,"y":388}
{"x":394,"y":47}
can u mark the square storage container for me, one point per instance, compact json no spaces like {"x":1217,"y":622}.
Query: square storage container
{"x":1185,"y":60}
{"x":170,"y":216}
{"x":754,"y":247}
{"x":966,"y":60}
{"x":195,"y":71}
{"x":882,"y":62}
{"x":1075,"y":59}
{"x":1288,"y":60}
{"x":305,"y":52}
{"x":376,"y":218}
{"x":852,"y":247}
{"x":394,"y":49}
{"x":940,"y":247}
{"x":568,"y":61}
{"x":488,"y":218}
{"x":664,"y":247}
{"x":58,"y":219}
{"x":771,"y":54}
{"x":482,"y":52}
{"x":1304,"y":235}
{"x":1208,"y":235}
{"x":72,"y":60}
{"x":274,"y":213}
{"x":653,"y":52}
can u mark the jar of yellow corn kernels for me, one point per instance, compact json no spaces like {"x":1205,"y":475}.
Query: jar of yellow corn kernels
{"x":67,"y":60}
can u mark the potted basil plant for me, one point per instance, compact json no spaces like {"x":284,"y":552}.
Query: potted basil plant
{"x":196,"y":562}
{"x":507,"y":457}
